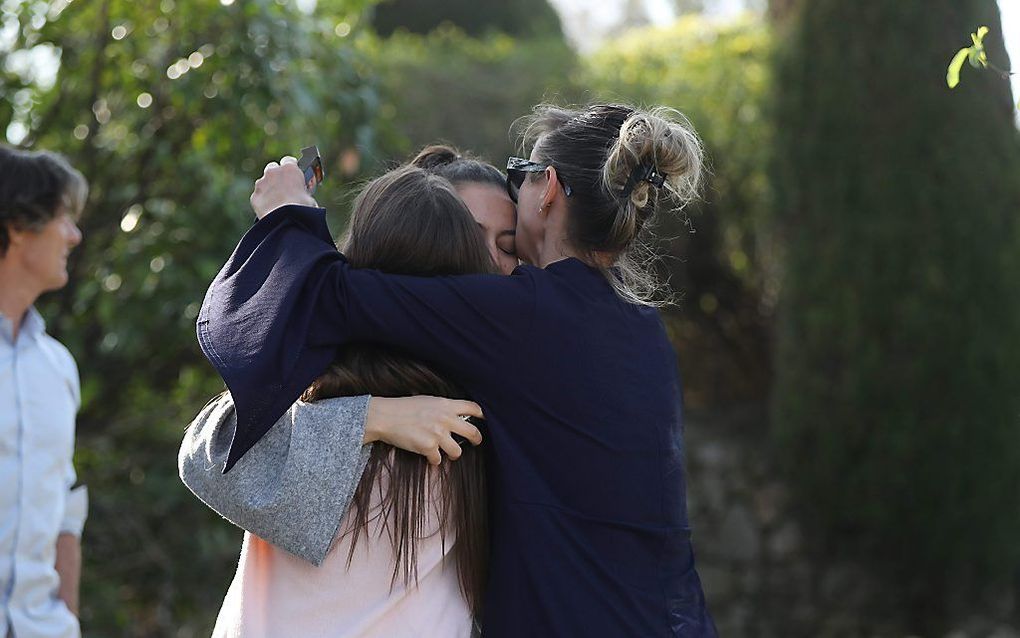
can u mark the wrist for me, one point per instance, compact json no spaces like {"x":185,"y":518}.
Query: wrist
{"x":264,"y":211}
{"x":374,"y":420}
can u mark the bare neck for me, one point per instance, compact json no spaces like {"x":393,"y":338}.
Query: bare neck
{"x":554,"y":245}
{"x":16,"y":295}
{"x":552,"y":253}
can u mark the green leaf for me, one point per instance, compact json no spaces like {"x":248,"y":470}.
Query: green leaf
{"x":972,"y":57}
{"x":953,"y":74}
{"x":978,"y":58}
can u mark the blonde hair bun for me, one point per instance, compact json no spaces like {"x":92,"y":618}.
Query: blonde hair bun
{"x":620,"y":163}
{"x":661,"y":139}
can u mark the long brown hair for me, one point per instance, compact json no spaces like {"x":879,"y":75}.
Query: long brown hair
{"x":410,"y":221}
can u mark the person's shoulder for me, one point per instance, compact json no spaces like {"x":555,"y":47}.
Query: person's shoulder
{"x":528,"y":271}
{"x":525,"y":280}
{"x":60,"y":356}
{"x":62,"y":359}
{"x":58,"y":349}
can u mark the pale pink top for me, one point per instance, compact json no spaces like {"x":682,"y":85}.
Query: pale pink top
{"x":277,"y":595}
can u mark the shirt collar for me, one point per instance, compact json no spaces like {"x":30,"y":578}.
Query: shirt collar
{"x":31,"y":326}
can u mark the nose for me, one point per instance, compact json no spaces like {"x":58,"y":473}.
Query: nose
{"x":74,"y":235}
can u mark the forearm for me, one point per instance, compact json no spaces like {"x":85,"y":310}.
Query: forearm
{"x":68,"y":566}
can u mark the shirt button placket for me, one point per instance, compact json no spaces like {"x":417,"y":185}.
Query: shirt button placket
{"x":19,"y":459}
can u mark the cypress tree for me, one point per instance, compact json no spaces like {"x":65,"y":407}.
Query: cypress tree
{"x":897,"y":397}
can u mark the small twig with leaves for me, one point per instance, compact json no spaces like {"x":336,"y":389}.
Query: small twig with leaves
{"x":977,"y":57}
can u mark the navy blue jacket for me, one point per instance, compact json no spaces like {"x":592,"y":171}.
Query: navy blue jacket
{"x":581,"y":394}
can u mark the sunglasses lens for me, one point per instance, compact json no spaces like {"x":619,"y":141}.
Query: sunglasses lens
{"x":514,"y":179}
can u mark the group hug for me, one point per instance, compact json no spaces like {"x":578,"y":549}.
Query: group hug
{"x":462,"y":416}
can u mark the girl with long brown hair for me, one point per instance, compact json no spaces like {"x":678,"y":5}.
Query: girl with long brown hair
{"x":413,"y":544}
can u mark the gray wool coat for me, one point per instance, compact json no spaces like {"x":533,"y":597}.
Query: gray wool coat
{"x":293,"y":487}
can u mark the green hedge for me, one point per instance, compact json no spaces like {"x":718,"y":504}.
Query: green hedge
{"x":465,"y":90}
{"x":721,"y":250}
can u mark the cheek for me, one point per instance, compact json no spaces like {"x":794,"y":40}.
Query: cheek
{"x":527,"y":221}
{"x":524,"y":199}
{"x":494,"y":251}
{"x":49,"y":251}
{"x":506,"y":263}
{"x":37,"y":262}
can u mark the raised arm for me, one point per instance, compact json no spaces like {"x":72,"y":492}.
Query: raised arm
{"x":286,"y":299}
{"x":275,"y":314}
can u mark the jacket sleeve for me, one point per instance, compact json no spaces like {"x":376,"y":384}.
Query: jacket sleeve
{"x":286,"y":300}
{"x":294,"y":486}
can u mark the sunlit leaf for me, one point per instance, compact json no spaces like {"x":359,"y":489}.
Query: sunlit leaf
{"x":977,"y":56}
{"x":953,"y":74}
{"x":974,"y":57}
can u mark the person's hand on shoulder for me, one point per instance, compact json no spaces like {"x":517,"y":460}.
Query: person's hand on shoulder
{"x":281,"y":184}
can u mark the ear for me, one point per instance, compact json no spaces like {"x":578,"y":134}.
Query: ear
{"x":552,"y":188}
{"x":14,"y":235}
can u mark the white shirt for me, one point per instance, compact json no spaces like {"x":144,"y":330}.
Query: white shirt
{"x":351,"y":594}
{"x":39,"y":397}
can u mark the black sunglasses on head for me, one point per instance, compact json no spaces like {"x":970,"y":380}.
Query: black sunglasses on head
{"x":516,"y":170}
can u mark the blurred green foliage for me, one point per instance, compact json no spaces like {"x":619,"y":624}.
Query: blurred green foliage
{"x":465,"y":90}
{"x":721,"y":251}
{"x":169,"y":108}
{"x":899,"y":331}
{"x":521,"y":18}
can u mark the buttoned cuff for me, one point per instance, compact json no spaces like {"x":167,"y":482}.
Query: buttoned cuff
{"x":76,"y":509}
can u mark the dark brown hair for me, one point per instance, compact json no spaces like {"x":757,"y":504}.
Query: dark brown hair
{"x":598,"y":151}
{"x":33,"y":187}
{"x":410,"y":221}
{"x":458,"y":167}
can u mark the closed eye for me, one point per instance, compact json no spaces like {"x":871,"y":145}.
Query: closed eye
{"x":505,"y":242}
